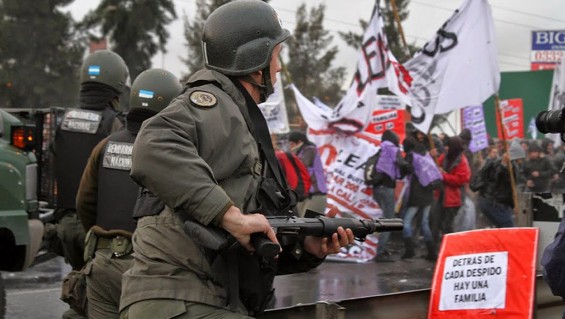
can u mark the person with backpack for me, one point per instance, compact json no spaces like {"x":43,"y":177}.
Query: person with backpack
{"x":495,"y":198}
{"x":309,"y":155}
{"x":381,"y":172}
{"x":296,"y":174}
{"x":423,"y":179}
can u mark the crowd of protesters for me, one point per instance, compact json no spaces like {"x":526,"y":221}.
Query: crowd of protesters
{"x":477,"y":190}
{"x":447,"y":187}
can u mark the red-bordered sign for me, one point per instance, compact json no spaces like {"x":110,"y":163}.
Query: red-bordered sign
{"x":486,"y":273}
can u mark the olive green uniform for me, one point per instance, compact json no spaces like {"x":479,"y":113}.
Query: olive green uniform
{"x":105,"y":265}
{"x":199,"y":157}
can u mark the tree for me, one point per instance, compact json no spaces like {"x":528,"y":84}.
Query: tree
{"x":193,"y":34}
{"x":390,"y":28}
{"x":137,"y":29}
{"x":311,"y":58}
{"x":40,"y":54}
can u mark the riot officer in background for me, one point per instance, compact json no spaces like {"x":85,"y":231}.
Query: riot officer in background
{"x":103,"y":77}
{"x":107,"y":195}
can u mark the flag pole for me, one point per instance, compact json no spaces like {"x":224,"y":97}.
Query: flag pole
{"x":506,"y":150}
{"x":399,"y":26}
{"x":407,"y":52}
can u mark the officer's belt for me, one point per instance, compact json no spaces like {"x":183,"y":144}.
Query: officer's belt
{"x":103,"y":243}
{"x":112,"y":243}
{"x":111,"y":239}
{"x":102,"y":233}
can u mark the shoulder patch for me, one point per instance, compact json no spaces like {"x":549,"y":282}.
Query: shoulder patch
{"x":203,"y":99}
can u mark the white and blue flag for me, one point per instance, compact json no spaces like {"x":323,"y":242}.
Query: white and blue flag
{"x":94,"y":70}
{"x":146,"y":94}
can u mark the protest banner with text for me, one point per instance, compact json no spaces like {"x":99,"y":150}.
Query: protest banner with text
{"x":486,"y":272}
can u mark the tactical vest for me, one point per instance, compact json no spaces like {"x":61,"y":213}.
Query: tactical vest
{"x":76,"y":136}
{"x":117,"y":192}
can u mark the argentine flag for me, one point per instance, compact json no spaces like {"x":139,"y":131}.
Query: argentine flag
{"x":94,"y":70}
{"x":146,"y":94}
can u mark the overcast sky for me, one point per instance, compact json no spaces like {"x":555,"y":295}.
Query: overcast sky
{"x":514,"y":22}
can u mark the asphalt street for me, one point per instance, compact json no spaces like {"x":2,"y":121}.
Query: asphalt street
{"x":34,"y":293}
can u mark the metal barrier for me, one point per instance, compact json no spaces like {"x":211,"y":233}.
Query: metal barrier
{"x":407,"y":305}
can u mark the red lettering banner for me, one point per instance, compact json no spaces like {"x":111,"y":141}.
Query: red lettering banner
{"x":512,"y":117}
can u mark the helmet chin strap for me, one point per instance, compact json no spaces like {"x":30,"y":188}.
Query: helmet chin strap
{"x":265,"y":89}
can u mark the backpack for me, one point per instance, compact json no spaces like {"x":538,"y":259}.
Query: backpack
{"x":296,"y":174}
{"x":426,"y":170}
{"x":369,"y":172}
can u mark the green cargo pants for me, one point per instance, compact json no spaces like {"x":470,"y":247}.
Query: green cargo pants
{"x":104,"y":284}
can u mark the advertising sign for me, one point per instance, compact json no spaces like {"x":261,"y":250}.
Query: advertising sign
{"x":547,"y":49}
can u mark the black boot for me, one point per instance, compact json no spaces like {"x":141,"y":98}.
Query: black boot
{"x":432,"y":254}
{"x":408,"y":248}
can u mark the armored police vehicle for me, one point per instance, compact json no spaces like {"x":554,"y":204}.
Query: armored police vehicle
{"x":21,"y":231}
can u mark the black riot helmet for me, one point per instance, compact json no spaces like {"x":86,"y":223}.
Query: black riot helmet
{"x":239,"y":37}
{"x":154,"y":89}
{"x":106,"y":67}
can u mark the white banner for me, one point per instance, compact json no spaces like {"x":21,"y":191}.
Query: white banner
{"x":457,"y":67}
{"x":345,"y":135}
{"x":274,"y":110}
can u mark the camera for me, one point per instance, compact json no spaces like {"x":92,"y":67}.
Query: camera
{"x":551,"y":122}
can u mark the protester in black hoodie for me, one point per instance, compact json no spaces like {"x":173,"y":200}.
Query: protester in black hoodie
{"x":420,"y":196}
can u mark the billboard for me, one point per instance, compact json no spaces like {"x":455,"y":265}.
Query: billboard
{"x":547,"y":49}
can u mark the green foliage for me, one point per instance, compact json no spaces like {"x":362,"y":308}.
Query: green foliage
{"x":392,"y":32}
{"x":311,"y":57}
{"x":40,"y":54}
{"x":136,"y":28}
{"x":390,"y":28}
{"x":353,"y":39}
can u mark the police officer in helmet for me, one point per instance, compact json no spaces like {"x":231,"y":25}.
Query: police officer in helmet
{"x":107,"y":195}
{"x":204,"y":158}
{"x":103,"y":77}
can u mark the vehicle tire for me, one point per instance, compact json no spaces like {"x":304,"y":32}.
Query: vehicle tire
{"x":2,"y":298}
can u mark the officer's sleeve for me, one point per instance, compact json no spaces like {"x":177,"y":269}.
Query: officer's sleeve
{"x":87,"y":194}
{"x":165,"y":160}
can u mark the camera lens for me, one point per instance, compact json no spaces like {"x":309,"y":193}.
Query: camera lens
{"x":550,"y":122}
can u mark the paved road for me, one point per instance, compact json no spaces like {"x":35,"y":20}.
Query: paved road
{"x":34,"y":293}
